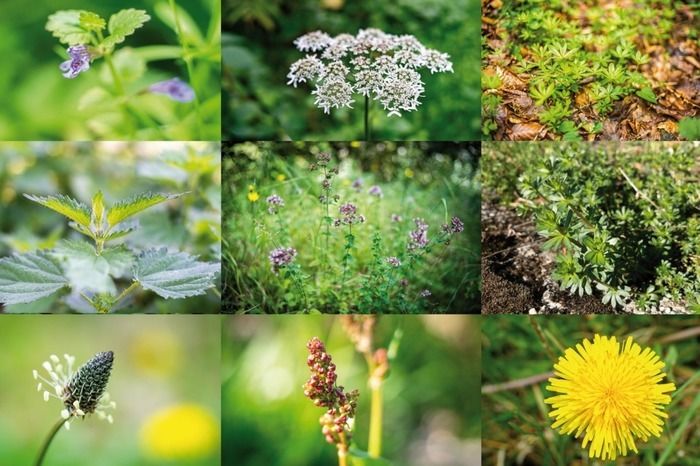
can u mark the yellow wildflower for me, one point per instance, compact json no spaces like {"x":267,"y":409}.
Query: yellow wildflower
{"x":610,"y":394}
{"x":280,"y":177}
{"x":408,"y":173}
{"x":253,"y":196}
{"x":184,"y":431}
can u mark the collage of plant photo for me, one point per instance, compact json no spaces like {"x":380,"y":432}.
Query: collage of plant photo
{"x":350,"y":233}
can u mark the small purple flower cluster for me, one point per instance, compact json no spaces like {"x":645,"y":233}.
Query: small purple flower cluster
{"x":79,"y":61}
{"x":274,"y":202}
{"x":322,"y":390}
{"x":455,"y":226}
{"x":419,"y":236}
{"x":376,"y":191}
{"x":396,"y":218}
{"x":425,"y":294}
{"x":323,"y":158}
{"x":393,"y":261}
{"x":174,"y":88}
{"x":357,"y":184}
{"x":349,"y":215}
{"x":281,"y":257}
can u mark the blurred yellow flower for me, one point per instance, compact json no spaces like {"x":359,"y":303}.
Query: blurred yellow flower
{"x":408,"y":173}
{"x":251,"y":187}
{"x":280,"y":177}
{"x":156,"y":353}
{"x":179,"y":432}
{"x":346,"y":182}
{"x":253,"y":196}
{"x":355,"y":144}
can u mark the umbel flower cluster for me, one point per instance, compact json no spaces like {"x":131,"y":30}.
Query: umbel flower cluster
{"x":82,"y":392}
{"x":321,"y":388}
{"x":610,"y":393}
{"x":374,"y":64}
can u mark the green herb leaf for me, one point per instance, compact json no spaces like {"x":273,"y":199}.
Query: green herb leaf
{"x":123,"y":24}
{"x":174,"y":275}
{"x":66,"y":206}
{"x":125,"y":209}
{"x":66,"y":26}
{"x":362,"y":458}
{"x":91,"y":21}
{"x":87,"y":271}
{"x":27,"y":277}
{"x":647,"y":94}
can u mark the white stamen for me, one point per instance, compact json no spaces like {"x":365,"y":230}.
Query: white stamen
{"x":46,"y":396}
{"x":54,"y":358}
{"x":38,"y":387}
{"x":65,"y":414}
{"x":35,"y":374}
{"x":46,"y":365}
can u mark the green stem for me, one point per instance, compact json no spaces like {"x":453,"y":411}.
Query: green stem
{"x":126,"y":292}
{"x":188,"y":64}
{"x":375,"y":418}
{"x":671,"y":446}
{"x":47,"y":442}
{"x":540,"y":335}
{"x":368,"y":130}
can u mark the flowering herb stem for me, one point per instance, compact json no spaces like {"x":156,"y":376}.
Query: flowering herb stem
{"x":47,"y":442}
{"x":375,"y":417}
{"x":368,"y":131}
{"x":188,"y":64}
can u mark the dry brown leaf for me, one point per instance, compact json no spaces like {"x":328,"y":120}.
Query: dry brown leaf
{"x":525,"y":131}
{"x":669,"y":126}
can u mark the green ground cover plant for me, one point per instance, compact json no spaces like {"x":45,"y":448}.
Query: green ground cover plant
{"x":264,"y":99}
{"x":589,"y":70}
{"x":518,"y":364}
{"x":622,"y":222}
{"x":148,"y":70}
{"x":111,"y":252}
{"x":309,"y":229}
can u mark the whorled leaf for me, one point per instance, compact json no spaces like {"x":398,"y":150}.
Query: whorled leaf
{"x":125,"y":209}
{"x":27,"y":277}
{"x":123,"y":24}
{"x":174,"y":275}
{"x":65,"y":25}
{"x":66,"y":206}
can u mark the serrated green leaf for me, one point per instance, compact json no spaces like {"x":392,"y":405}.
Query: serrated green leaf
{"x":98,"y":210}
{"x":123,"y":24}
{"x":647,"y":94}
{"x":174,"y":275}
{"x":91,"y":21}
{"x":125,"y":209}
{"x":122,"y":229}
{"x":65,"y":25}
{"x":66,"y":206}
{"x":27,"y":277}
{"x":88,"y":271}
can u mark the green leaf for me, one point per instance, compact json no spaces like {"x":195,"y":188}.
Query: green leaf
{"x":122,"y":229}
{"x":91,"y":21}
{"x":88,"y":271}
{"x":362,"y":458}
{"x":27,"y":277}
{"x":125,"y":209}
{"x":647,"y":94}
{"x":123,"y":24}
{"x":98,"y":210}
{"x":174,"y":275}
{"x":66,"y":206}
{"x":689,"y":128}
{"x":65,"y":25}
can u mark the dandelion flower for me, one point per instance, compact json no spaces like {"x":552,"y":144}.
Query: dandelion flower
{"x":610,"y":393}
{"x":82,"y":392}
{"x":180,"y":432}
{"x":253,"y":196}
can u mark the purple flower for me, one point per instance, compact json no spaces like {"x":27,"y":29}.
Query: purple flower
{"x":348,"y":209}
{"x":396,"y":218}
{"x":357,"y":184}
{"x":376,"y":191}
{"x":281,"y":257}
{"x":79,"y":61}
{"x":323,"y":158}
{"x":274,"y":202}
{"x":174,"y":88}
{"x":419,"y":236}
{"x":393,"y":261}
{"x":455,"y":226}
{"x":403,"y":282}
{"x":349,"y":215}
{"x":425,"y":293}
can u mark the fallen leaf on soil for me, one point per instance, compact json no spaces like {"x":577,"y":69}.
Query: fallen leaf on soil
{"x":525,"y":131}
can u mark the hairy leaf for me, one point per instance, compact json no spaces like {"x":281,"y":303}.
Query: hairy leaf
{"x":91,"y":21}
{"x":65,"y":25}
{"x":123,"y":24}
{"x":647,"y":94}
{"x":122,"y":229}
{"x":88,"y":271}
{"x":27,"y":277}
{"x":125,"y":209}
{"x":98,"y":210}
{"x":174,"y":275}
{"x":66,"y":206}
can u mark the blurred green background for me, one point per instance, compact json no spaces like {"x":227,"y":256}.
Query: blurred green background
{"x":160,"y":363}
{"x":38,"y":103}
{"x":191,"y":223}
{"x":516,"y":428}
{"x":257,"y":49}
{"x":430,"y":180}
{"x":431,"y":407}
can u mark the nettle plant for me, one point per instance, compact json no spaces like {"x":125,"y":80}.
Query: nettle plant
{"x":583,"y":66}
{"x":385,"y":284}
{"x":90,"y":38}
{"x":624,"y":225}
{"x":91,"y":269}
{"x":376,"y":65}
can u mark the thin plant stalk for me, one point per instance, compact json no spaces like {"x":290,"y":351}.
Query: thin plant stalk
{"x":188,"y":64}
{"x":47,"y":442}
{"x":540,"y":335}
{"x":368,"y":130}
{"x":343,"y":451}
{"x":671,"y":446}
{"x":374,"y":448}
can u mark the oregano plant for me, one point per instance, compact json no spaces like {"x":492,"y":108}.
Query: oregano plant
{"x":92,"y":268}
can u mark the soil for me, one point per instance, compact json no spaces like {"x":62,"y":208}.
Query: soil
{"x":516,"y":272}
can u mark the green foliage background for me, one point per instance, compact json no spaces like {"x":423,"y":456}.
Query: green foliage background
{"x":444,"y":182}
{"x":258,"y":48}
{"x":38,"y":103}
{"x":157,"y":363}
{"x":432,"y":389}
{"x":515,"y":424}
{"x":192,"y":223}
